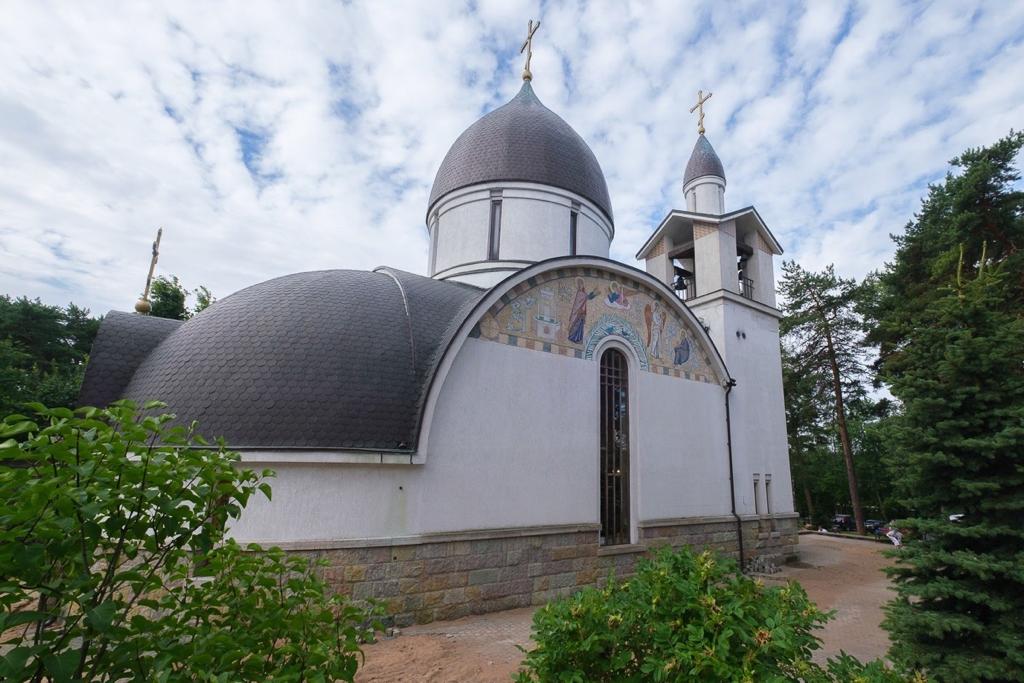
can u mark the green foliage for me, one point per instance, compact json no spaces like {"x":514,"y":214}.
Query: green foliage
{"x":822,"y":336}
{"x":114,"y":564}
{"x":975,"y":208}
{"x":682,"y":617}
{"x":960,"y":611}
{"x":169,"y":299}
{"x":43,"y":350}
{"x":203,"y":299}
{"x":947,"y":315}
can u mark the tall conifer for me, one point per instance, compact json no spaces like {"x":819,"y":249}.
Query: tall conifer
{"x":823,"y":332}
{"x":960,"y":578}
{"x":948,"y":315}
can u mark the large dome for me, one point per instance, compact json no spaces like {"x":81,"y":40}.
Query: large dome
{"x":522,"y":141}
{"x":334,"y":359}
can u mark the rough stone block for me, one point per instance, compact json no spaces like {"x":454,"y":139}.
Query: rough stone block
{"x":459,"y":548}
{"x":495,"y":590}
{"x":441,"y":565}
{"x":430,"y":551}
{"x":403,"y":553}
{"x":433,"y":599}
{"x":410,"y":569}
{"x":479,"y":576}
{"x":493,"y":545}
{"x":480,"y":561}
{"x":375,"y":572}
{"x":385,"y":589}
{"x":558,"y":566}
{"x":513,"y":573}
{"x":563,"y":580}
{"x":362,"y":591}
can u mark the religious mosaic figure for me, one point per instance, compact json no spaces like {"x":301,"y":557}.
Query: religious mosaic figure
{"x":654,"y":317}
{"x":681,"y":351}
{"x":618,"y":296}
{"x":516,"y":321}
{"x":578,"y":314}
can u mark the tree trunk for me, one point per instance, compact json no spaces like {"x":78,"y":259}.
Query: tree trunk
{"x":844,"y":435}
{"x":810,"y":502}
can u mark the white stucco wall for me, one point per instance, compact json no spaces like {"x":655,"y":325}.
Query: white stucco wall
{"x":535,"y":223}
{"x":757,"y":403}
{"x":681,"y":448}
{"x":705,"y":195}
{"x":514,"y":442}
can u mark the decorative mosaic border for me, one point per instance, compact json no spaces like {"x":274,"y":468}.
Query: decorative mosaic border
{"x":606,"y":323}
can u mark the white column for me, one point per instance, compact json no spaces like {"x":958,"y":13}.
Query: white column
{"x":714,"y":249}
{"x":659,"y":264}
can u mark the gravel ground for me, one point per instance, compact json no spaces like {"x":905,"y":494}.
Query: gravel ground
{"x":839,"y":574}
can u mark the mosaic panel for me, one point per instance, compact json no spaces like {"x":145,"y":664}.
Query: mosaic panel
{"x":569,"y":312}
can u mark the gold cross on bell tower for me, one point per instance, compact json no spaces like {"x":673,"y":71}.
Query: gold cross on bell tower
{"x":528,"y":49}
{"x":701,"y":99}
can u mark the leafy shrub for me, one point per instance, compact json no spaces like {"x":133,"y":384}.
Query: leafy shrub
{"x":685,"y":617}
{"x":114,"y":563}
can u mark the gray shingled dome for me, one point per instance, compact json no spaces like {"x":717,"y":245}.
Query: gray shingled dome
{"x":525,"y":141}
{"x":703,"y":161}
{"x":334,"y":359}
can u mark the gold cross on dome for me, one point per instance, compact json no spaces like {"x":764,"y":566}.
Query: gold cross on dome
{"x":528,"y":49}
{"x":701,"y":99}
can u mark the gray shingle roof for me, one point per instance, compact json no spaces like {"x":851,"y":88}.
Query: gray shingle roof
{"x":525,"y":141}
{"x":703,"y":161}
{"x":335,"y":359}
{"x":122,"y":343}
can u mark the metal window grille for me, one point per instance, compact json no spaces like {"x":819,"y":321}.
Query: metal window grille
{"x":614,"y":448}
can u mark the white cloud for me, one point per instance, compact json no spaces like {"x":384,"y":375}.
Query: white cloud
{"x":830,"y":117}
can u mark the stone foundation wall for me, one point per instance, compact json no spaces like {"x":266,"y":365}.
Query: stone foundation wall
{"x":448,"y":578}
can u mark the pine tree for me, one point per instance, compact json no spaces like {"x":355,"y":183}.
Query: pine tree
{"x":946,"y":314}
{"x":822,"y":330}
{"x":959,"y":614}
{"x":977,"y":207}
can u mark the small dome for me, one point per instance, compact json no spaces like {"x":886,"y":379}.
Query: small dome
{"x":523,"y":141}
{"x":703,"y":161}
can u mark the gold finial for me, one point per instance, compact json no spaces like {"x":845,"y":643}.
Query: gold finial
{"x":528,"y":48}
{"x":142,"y":305}
{"x":701,"y":99}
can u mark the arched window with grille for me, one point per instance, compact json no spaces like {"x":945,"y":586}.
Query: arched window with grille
{"x":614,"y":448}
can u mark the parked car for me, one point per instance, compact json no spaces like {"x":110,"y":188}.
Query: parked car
{"x":843,"y":523}
{"x":873,"y":526}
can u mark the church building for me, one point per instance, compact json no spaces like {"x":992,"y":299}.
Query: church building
{"x":520,"y":420}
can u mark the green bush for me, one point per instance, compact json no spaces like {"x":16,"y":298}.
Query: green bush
{"x":115,"y":565}
{"x":685,"y":617}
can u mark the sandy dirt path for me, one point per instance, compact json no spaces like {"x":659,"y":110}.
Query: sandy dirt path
{"x":840,"y":574}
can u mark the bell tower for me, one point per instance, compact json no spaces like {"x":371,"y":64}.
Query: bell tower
{"x":721,"y":264}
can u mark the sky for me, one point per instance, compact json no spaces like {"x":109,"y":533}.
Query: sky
{"x":270,"y":138}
